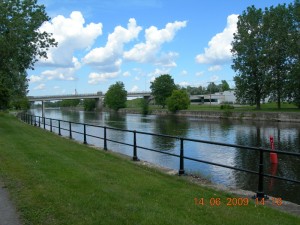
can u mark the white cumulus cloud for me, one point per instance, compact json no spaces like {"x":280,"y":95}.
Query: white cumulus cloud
{"x":60,"y":73}
{"x":71,"y":34}
{"x":95,"y":78}
{"x":184,"y":84}
{"x":109,"y":58}
{"x":215,"y":68}
{"x":134,"y":88}
{"x":218,"y":51}
{"x":154,"y":38}
{"x":34,"y":79}
{"x":40,"y":87}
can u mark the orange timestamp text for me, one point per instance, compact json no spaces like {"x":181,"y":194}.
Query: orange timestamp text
{"x":231,"y":202}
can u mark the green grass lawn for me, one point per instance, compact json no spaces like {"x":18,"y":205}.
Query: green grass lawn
{"x":53,"y":180}
{"x":267,"y":107}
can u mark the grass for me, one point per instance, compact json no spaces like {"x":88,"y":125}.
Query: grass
{"x":53,"y":180}
{"x":267,"y":107}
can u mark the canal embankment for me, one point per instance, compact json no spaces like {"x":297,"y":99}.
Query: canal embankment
{"x":53,"y":180}
{"x":227,"y":114}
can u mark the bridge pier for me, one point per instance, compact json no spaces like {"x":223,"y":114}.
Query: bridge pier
{"x":99,"y":104}
{"x":43,"y":108}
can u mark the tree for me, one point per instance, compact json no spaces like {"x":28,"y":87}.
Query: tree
{"x":162,"y":88}
{"x":179,"y":100}
{"x":224,"y":86}
{"x":212,"y":88}
{"x":280,"y":31}
{"x":294,"y":75}
{"x":4,"y":97}
{"x":21,"y":42}
{"x":116,"y":96}
{"x":69,"y":103}
{"x":249,"y":58}
{"x":89,"y":104}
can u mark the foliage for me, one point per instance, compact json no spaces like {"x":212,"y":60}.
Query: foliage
{"x":248,"y":49}
{"x":178,"y":100}
{"x":116,"y":96}
{"x":89,"y":104}
{"x":69,"y":102}
{"x":162,"y":88}
{"x":224,"y":86}
{"x":4,"y":97}
{"x":210,"y":89}
{"x":21,"y":42}
{"x":279,"y":28}
{"x":145,"y":106}
{"x":20,"y":103}
{"x":226,"y":106}
{"x":266,"y":54}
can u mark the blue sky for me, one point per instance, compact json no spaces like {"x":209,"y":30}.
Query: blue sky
{"x":134,"y":41}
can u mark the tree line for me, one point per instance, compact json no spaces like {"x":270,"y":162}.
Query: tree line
{"x":266,"y":52}
{"x":21,"y":44}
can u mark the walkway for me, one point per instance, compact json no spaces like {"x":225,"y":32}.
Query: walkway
{"x":8,"y":213}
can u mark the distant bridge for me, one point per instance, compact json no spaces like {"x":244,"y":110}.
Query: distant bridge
{"x":98,"y":96}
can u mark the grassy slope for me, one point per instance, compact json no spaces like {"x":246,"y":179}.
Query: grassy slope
{"x":57,"y":181}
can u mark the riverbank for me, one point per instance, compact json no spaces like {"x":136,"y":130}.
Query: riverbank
{"x":226,"y":114}
{"x":53,"y":180}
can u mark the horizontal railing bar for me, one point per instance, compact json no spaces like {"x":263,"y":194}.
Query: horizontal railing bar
{"x":281,"y":178}
{"x":221,"y":165}
{"x":123,"y":143}
{"x":154,"y":150}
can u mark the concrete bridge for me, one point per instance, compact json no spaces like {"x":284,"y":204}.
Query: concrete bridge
{"x":98,"y":96}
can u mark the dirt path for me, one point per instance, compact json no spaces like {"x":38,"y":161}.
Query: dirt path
{"x":8,"y":213}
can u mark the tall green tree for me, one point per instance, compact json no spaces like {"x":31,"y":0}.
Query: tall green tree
{"x":116,"y":96}
{"x":21,"y":42}
{"x":294,"y":75}
{"x":280,"y":30}
{"x":249,"y":58}
{"x":162,"y":88}
{"x":224,"y":86}
{"x":212,"y":88}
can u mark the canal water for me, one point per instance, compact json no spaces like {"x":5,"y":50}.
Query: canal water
{"x":248,"y":133}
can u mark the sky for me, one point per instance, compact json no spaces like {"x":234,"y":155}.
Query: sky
{"x":101,"y":42}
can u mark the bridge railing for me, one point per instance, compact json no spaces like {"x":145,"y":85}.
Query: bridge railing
{"x":48,"y":123}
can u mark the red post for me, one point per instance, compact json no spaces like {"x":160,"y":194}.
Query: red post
{"x":273,"y":155}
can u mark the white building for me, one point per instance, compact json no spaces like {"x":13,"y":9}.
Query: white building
{"x":216,"y":98}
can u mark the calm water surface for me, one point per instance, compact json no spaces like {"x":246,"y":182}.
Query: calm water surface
{"x":286,"y":138}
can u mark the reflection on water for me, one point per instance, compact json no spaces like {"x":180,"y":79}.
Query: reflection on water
{"x":248,"y":133}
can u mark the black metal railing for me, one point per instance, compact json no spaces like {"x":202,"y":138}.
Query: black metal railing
{"x":43,"y":121}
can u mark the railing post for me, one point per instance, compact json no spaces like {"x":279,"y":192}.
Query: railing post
{"x":44,"y":122}
{"x":70,"y":130}
{"x":105,"y":141}
{"x":181,"y":166}
{"x":50,"y":124}
{"x":260,"y":192}
{"x":84,"y":134}
{"x":35,"y":121}
{"x":59,"y":133}
{"x":39,"y":121}
{"x":31,"y":123}
{"x":134,"y":158}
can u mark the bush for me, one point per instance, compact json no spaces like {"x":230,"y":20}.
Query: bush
{"x":226,"y":106}
{"x":179,"y":100}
